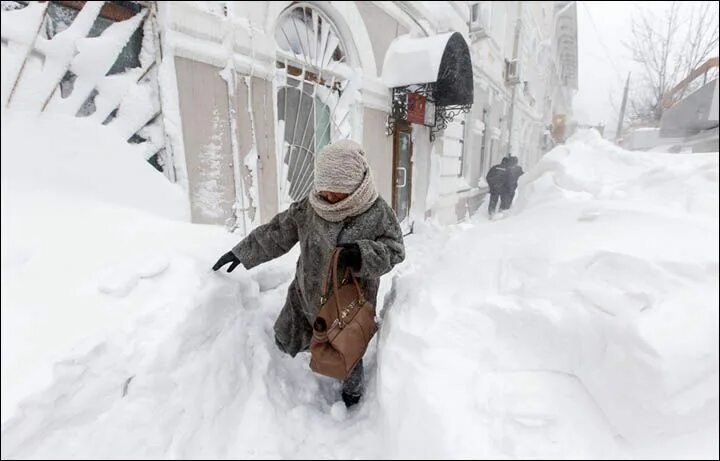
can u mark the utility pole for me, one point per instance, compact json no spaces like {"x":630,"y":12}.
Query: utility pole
{"x":618,"y":133}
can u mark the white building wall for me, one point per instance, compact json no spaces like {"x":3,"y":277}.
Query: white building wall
{"x":537,"y":55}
{"x":448,"y":174}
{"x":534,"y":108}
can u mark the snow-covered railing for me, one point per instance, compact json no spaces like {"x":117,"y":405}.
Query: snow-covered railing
{"x":86,"y":63}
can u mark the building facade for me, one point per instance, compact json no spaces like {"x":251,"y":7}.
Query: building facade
{"x":242,"y":94}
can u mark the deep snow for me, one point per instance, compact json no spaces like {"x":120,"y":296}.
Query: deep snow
{"x":584,"y":324}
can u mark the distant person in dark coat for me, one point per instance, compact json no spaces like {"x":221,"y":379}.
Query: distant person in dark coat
{"x":514,"y":171}
{"x":497,"y":183}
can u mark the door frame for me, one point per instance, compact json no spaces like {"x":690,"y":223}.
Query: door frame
{"x":402,"y":126}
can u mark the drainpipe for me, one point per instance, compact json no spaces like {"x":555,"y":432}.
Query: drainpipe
{"x":511,"y":113}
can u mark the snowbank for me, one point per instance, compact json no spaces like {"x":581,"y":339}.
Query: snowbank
{"x":78,"y":203}
{"x":588,"y":317}
{"x":590,"y":167}
{"x":583,"y":325}
{"x":55,"y":154}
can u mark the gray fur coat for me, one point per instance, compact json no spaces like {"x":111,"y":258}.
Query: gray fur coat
{"x":376,"y":232}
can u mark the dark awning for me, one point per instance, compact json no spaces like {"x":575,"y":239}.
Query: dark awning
{"x":443,"y":60}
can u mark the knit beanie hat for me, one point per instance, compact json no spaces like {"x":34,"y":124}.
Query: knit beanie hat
{"x":340,"y":167}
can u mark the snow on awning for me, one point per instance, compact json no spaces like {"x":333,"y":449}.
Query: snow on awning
{"x":413,"y":60}
{"x":443,"y":59}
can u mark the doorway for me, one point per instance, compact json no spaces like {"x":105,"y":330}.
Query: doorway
{"x":402,"y":167}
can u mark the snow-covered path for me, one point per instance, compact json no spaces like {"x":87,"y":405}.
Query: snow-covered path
{"x":582,"y":325}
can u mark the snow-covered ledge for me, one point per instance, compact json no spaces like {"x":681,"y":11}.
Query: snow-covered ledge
{"x":201,"y":35}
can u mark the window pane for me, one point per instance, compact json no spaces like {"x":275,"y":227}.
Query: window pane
{"x":322,"y":124}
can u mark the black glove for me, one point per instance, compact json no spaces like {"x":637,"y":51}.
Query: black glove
{"x":350,"y":256}
{"x":228,"y":257}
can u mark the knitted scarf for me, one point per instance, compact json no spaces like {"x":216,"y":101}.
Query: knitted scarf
{"x":355,"y":204}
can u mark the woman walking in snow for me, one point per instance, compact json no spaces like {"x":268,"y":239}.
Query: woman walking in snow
{"x":342,"y":210}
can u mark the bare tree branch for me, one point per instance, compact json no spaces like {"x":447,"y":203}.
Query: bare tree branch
{"x":668,"y":49}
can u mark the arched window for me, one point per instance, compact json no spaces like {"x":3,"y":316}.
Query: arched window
{"x":312,"y":76}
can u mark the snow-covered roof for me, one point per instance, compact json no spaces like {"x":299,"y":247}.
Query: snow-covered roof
{"x":414,"y":60}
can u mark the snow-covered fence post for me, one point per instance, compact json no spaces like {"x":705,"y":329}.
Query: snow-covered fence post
{"x":24,"y":40}
{"x":168,"y":155}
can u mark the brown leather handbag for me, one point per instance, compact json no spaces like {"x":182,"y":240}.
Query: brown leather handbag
{"x":344,"y":326}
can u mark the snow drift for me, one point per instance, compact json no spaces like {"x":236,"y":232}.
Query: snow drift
{"x":582,"y":325}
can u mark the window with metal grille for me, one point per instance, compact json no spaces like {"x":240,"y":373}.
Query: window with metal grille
{"x":60,"y":14}
{"x":310,"y":64}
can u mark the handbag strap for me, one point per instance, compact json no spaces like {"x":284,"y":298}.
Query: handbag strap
{"x":332,"y":275}
{"x":348,"y":273}
{"x":336,"y":286}
{"x":328,"y":276}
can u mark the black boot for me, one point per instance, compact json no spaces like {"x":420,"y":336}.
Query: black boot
{"x":350,"y":399}
{"x":354,"y":386}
